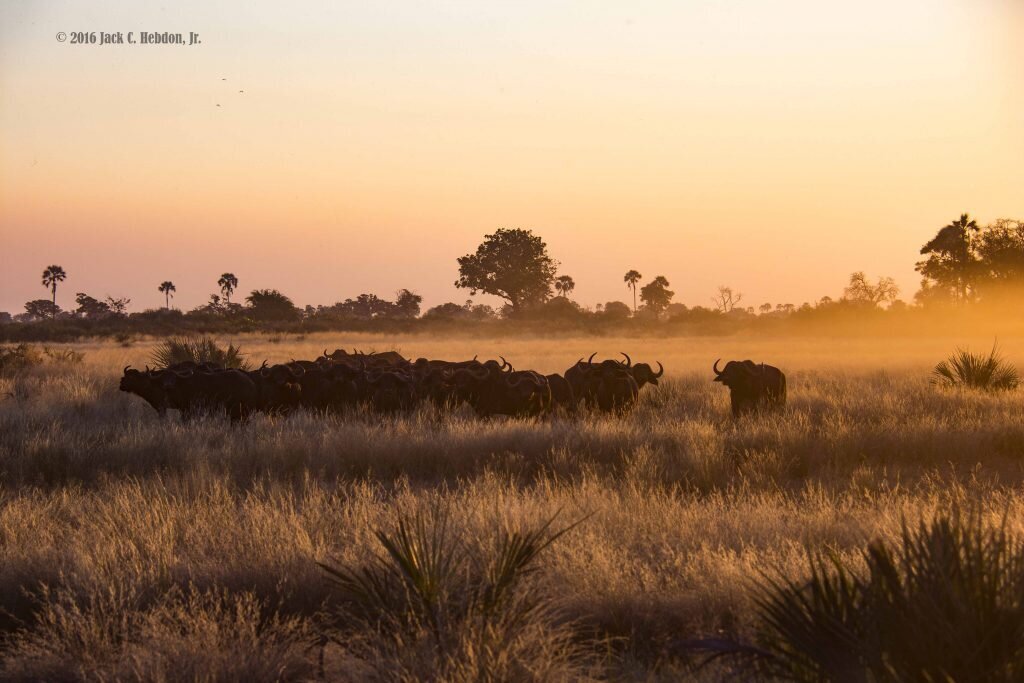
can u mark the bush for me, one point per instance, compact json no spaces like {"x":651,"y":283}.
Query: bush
{"x":976,"y":371}
{"x":440,"y":607}
{"x":198,"y":350}
{"x":63,"y":356}
{"x":946,"y":604}
{"x":14,"y":359}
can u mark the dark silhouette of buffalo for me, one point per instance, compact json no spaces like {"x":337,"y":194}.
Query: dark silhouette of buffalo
{"x":752,"y":385}
{"x":562,"y":395}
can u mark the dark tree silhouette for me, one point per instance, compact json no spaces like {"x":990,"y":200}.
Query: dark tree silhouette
{"x":40,"y":309}
{"x":118,"y":306}
{"x":228,"y":283}
{"x":656,"y":295}
{"x":88,"y":307}
{"x":512,"y":264}
{"x":167,"y":288}
{"x":564,"y":284}
{"x":51,"y":276}
{"x":1000,"y":251}
{"x":407,"y":304}
{"x":632,"y":278}
{"x":951,"y":263}
{"x":271,"y":305}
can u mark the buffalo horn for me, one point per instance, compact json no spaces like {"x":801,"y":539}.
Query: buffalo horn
{"x":715,"y":367}
{"x":629,"y":362}
{"x":661,"y":369}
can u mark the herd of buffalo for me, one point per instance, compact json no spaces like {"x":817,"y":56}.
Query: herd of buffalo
{"x":389,"y":383}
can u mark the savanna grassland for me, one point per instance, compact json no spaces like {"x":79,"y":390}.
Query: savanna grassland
{"x":140,"y":549}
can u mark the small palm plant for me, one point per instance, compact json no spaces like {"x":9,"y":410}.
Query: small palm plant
{"x":944,"y":603}
{"x":198,"y":350}
{"x":436,"y":595}
{"x":976,"y":371}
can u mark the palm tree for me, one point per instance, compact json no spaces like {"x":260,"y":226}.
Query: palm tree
{"x":228,"y":282}
{"x":631,"y":280}
{"x":564,"y":284}
{"x":167,"y":287}
{"x":51,"y":276}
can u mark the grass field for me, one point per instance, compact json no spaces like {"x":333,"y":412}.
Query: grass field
{"x":139,"y":549}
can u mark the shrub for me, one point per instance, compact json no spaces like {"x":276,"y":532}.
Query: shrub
{"x":945,"y":604}
{"x":198,"y":350}
{"x":440,"y":607}
{"x":976,"y":371}
{"x":63,"y":356}
{"x":16,"y":358}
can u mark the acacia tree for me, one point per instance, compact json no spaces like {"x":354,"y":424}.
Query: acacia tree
{"x":951,"y":262}
{"x":51,"y":276}
{"x":564,"y":284}
{"x":228,"y":283}
{"x":632,"y":278}
{"x":512,"y":264}
{"x":726,"y":300}
{"x":860,"y":290}
{"x":656,"y":295}
{"x":167,"y":288}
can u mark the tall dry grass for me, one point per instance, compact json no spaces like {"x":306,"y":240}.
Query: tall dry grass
{"x":141,"y":549}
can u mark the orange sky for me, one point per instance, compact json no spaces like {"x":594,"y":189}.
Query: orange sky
{"x":773,"y":147}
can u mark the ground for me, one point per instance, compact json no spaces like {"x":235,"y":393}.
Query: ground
{"x":136,"y":548}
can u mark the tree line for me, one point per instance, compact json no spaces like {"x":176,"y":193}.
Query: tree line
{"x":964,"y":264}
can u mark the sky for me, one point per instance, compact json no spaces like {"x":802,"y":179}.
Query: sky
{"x":771,"y":147}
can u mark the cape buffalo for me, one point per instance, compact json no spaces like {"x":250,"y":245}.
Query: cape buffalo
{"x":147,"y":387}
{"x":562,"y":395}
{"x":752,"y":386}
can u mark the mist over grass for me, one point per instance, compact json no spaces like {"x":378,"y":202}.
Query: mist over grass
{"x":137,"y":548}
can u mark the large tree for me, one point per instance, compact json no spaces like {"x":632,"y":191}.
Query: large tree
{"x":860,"y":290}
{"x":1000,"y":251}
{"x":511,"y":263}
{"x":632,"y":279}
{"x":271,"y":305}
{"x":51,"y":276}
{"x":228,"y":283}
{"x":656,"y":295}
{"x":407,"y":304}
{"x":89,"y":307}
{"x":39,"y":309}
{"x":167,"y":288}
{"x":951,"y":265}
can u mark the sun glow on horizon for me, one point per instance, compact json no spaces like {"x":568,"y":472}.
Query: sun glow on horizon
{"x":774,"y":148}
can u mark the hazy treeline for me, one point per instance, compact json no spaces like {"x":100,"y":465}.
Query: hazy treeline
{"x":972,"y":276}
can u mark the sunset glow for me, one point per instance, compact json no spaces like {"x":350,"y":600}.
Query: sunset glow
{"x":772,"y":147}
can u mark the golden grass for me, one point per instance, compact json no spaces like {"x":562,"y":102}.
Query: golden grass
{"x":141,"y":549}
